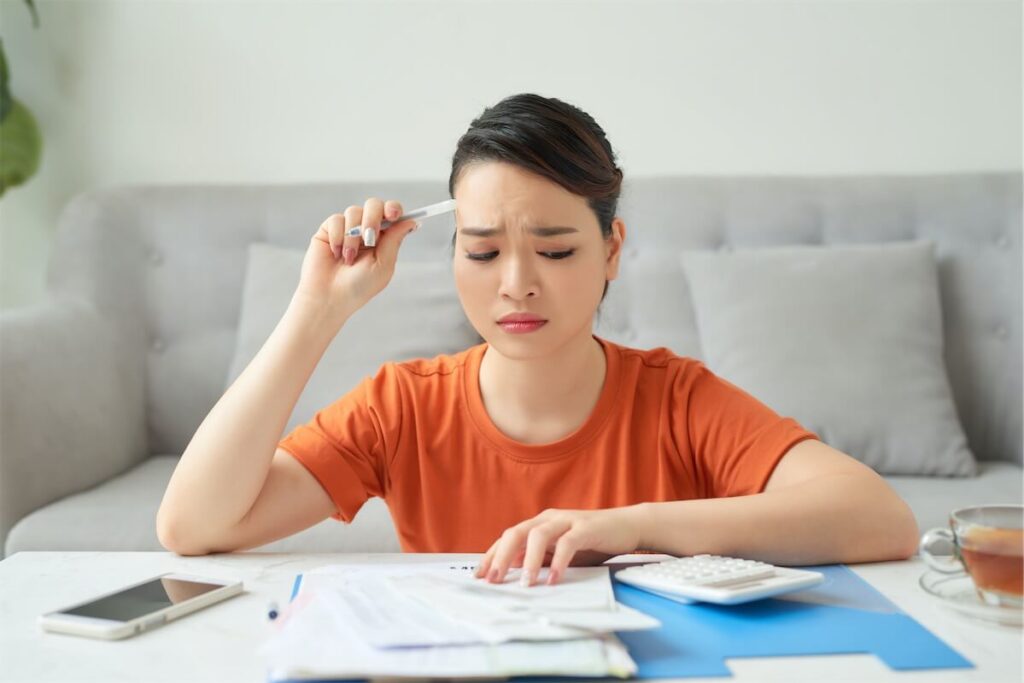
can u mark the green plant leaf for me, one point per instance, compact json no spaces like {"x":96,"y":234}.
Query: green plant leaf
{"x":21,"y":147}
{"x":21,"y":144}
{"x":35,"y":15}
{"x":5,"y":93}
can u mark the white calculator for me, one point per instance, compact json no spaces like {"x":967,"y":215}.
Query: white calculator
{"x":713,"y":578}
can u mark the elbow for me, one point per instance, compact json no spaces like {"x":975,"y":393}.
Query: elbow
{"x":890,"y":535}
{"x":909,"y":534}
{"x":906,"y":547}
{"x":897,"y":530}
{"x":173,"y":540}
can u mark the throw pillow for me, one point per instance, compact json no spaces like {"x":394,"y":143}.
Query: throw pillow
{"x":846,"y":339}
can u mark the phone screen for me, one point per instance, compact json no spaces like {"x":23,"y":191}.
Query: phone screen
{"x":143,"y":599}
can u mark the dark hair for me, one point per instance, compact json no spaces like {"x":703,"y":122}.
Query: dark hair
{"x":551,"y":138}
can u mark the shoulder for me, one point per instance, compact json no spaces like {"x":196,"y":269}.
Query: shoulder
{"x":441,"y":365}
{"x":664,"y":375}
{"x":660,"y":359}
{"x":416,"y":375}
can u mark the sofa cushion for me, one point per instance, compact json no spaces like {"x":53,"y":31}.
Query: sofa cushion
{"x":121,"y":513}
{"x":418,"y":315}
{"x":845,"y":339}
{"x":933,"y":498}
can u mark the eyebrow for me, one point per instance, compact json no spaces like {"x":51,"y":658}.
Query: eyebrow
{"x":542,"y":232}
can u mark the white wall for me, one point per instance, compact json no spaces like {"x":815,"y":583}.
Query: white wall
{"x":168,"y":92}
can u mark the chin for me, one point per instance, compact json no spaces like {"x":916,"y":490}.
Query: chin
{"x":518,"y":346}
{"x":526,"y":346}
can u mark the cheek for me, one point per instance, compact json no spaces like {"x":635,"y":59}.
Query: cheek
{"x":470,"y":283}
{"x":585,"y":275}
{"x":462,"y":272}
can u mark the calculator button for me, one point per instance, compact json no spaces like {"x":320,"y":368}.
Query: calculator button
{"x":740,"y":577}
{"x":714,"y":578}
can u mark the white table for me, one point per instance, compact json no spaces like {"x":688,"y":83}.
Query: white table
{"x":219,"y":643}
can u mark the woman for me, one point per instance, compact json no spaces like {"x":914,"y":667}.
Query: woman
{"x":543,"y":445}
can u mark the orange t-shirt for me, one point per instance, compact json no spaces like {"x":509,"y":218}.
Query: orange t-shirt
{"x":417,"y":434}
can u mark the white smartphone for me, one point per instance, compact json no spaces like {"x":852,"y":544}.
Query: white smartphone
{"x":140,"y":606}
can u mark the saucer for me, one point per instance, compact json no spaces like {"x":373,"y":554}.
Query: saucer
{"x":957,"y":592}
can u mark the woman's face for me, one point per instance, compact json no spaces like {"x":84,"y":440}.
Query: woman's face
{"x":512,"y":269}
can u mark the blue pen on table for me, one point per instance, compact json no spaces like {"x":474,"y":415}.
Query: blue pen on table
{"x":430,"y":211}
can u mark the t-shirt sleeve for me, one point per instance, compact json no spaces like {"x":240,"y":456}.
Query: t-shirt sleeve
{"x":734,"y":439}
{"x":349,"y":444}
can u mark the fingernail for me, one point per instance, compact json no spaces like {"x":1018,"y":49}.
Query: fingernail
{"x":349,"y":255}
{"x":526,"y":579}
{"x":369,"y":237}
{"x":552,"y":577}
{"x":493,"y":576}
{"x":337,"y":250}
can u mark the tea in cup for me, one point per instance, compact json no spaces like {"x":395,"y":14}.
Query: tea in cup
{"x":988,"y":543}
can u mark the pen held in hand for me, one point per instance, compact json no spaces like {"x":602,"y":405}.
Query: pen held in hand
{"x":419,"y":214}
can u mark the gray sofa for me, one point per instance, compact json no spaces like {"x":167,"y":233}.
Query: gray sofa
{"x":104,"y":383}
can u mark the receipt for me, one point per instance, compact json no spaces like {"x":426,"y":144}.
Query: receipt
{"x":424,"y":606}
{"x":378,"y":621}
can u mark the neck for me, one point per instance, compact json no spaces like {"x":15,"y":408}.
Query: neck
{"x":563,"y":382}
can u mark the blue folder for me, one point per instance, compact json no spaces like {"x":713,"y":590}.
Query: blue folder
{"x":842,"y":615}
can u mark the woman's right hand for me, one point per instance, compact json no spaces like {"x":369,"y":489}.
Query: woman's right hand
{"x":346,"y":286}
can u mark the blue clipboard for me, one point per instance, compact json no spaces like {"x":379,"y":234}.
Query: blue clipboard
{"x":843,"y":615}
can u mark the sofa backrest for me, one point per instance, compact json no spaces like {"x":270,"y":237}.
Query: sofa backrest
{"x":166,"y":264}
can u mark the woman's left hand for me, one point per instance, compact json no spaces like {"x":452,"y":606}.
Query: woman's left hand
{"x":578,"y":537}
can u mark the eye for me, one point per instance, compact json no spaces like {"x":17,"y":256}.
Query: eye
{"x":553,"y":255}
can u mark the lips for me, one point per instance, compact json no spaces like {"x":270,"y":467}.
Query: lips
{"x":523,"y":327}
{"x":520,"y":318}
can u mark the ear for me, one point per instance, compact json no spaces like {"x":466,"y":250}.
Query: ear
{"x":613,"y":248}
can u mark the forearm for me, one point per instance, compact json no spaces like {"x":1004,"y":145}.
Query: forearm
{"x":845,"y":518}
{"x":225,"y":465}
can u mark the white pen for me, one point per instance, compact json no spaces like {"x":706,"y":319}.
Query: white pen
{"x":438,"y":209}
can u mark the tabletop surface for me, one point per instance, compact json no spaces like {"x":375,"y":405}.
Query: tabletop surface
{"x":219,"y":643}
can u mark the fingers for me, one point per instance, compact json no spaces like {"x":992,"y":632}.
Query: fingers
{"x":334,"y":230}
{"x":363,"y":217}
{"x":527,"y":544}
{"x":565,"y":548}
{"x":510,"y":542}
{"x":387,"y":244}
{"x":538,"y":541}
{"x":349,"y":245}
{"x":488,"y":559}
{"x":485,"y":562}
{"x":392,"y":210}
{"x":368,"y":219}
{"x":373,"y":216}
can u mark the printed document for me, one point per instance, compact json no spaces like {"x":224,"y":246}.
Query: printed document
{"x":436,"y":619}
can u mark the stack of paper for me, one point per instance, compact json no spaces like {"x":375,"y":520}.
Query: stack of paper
{"x":429,"y":620}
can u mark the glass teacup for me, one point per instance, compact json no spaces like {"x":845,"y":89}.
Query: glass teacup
{"x":988,"y":543}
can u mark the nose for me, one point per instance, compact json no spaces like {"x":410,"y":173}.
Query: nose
{"x":518,"y":277}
